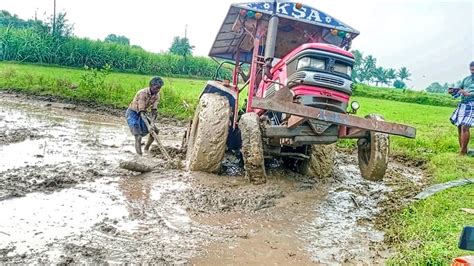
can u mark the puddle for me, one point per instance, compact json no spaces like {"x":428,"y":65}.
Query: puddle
{"x":59,"y":136}
{"x":36,"y":220}
{"x":341,"y":231}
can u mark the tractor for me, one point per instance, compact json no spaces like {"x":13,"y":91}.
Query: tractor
{"x":298,"y":85}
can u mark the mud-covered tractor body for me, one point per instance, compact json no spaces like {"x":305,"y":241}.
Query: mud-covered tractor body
{"x":298,"y":88}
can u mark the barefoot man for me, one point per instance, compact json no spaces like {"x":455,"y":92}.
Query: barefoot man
{"x":143,"y":100}
{"x":463,"y":116}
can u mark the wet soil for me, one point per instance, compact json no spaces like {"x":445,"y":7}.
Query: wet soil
{"x":64,"y":199}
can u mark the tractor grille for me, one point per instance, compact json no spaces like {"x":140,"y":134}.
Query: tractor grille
{"x":328,"y":80}
{"x":269,"y":92}
{"x":297,"y":77}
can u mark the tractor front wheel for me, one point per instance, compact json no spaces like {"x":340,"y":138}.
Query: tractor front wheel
{"x":373,"y":153}
{"x":252,"y":148}
{"x":320,"y":163}
{"x":206,"y":143}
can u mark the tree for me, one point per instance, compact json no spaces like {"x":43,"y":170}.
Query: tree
{"x":380,"y":76}
{"x":365,"y":70}
{"x":358,"y":58}
{"x":435,"y":87}
{"x":62,"y":27}
{"x":390,"y":76}
{"x":399,"y":84}
{"x":369,"y":66}
{"x":9,"y":20}
{"x":117,"y":39}
{"x":404,"y":74}
{"x":181,"y":46}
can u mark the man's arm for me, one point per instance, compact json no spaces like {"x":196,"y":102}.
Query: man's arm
{"x":155,"y":104}
{"x":154,"y":108}
{"x":465,"y":93}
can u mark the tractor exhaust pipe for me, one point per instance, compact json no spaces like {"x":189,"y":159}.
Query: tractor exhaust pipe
{"x":271,"y":40}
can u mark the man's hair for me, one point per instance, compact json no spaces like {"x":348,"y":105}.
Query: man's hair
{"x":156,"y":81}
{"x":472,"y":64}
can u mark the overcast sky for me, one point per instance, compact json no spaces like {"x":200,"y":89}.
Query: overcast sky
{"x":433,"y":38}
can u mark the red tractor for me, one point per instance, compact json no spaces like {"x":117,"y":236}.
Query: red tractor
{"x":299,"y":85}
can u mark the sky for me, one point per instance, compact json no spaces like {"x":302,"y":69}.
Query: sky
{"x":433,"y":38}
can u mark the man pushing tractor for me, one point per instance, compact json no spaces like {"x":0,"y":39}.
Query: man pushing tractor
{"x":147,"y":98}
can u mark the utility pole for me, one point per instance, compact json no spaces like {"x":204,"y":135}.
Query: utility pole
{"x":54,"y":17}
{"x":186,"y":31}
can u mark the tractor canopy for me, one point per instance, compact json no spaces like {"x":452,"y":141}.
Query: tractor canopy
{"x":298,"y":24}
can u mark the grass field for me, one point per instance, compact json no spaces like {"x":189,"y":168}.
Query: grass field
{"x":425,"y":232}
{"x":117,"y":90}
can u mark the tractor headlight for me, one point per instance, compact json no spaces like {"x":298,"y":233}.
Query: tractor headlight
{"x":311,"y":62}
{"x":304,"y":62}
{"x":355,"y":106}
{"x":343,"y":69}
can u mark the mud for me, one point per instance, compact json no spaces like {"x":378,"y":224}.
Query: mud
{"x":64,"y":199}
{"x":231,"y":198}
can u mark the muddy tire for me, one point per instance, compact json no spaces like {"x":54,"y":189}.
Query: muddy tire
{"x":321,"y":161}
{"x":373,"y":153}
{"x":252,"y":148}
{"x":206,"y":143}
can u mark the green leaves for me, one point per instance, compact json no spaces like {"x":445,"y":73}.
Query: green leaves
{"x":181,"y":46}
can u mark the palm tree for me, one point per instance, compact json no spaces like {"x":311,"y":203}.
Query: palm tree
{"x":368,"y":69}
{"x":380,"y":76}
{"x":390,"y":75}
{"x":404,"y":74}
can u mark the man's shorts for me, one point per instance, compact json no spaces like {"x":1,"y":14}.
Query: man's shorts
{"x":135,"y":123}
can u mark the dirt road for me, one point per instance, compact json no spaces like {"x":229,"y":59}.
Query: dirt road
{"x":63,"y":199}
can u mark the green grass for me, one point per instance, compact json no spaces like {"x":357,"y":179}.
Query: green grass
{"x":435,"y":134}
{"x":178,"y":95}
{"x":425,"y":232}
{"x":405,"y":95}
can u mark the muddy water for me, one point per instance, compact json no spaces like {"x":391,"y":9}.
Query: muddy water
{"x":63,"y":199}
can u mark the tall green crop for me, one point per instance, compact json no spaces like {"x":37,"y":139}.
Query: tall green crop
{"x":37,"y":46}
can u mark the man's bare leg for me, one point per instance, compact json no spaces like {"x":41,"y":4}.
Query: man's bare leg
{"x":465,"y":136}
{"x":138,"y":145}
{"x":460,"y":137}
{"x":149,"y":142}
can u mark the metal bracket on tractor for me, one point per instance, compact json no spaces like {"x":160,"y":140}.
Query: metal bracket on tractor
{"x":282,"y":102}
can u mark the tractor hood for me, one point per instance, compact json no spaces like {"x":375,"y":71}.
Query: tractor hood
{"x":298,"y":25}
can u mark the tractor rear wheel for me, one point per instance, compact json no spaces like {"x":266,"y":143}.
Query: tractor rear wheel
{"x":373,"y":153}
{"x":252,"y":148}
{"x":320,"y":163}
{"x":208,"y":132}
